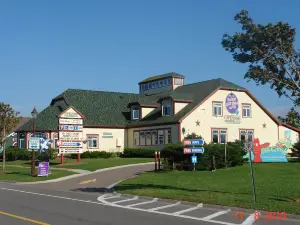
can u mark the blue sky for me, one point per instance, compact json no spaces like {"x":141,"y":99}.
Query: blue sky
{"x":49,"y":46}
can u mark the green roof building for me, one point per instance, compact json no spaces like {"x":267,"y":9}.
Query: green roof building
{"x":164,"y":111}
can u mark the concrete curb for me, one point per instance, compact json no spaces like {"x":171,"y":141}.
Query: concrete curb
{"x":84,"y":174}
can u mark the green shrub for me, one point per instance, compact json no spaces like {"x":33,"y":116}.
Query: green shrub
{"x":49,"y":154}
{"x":138,"y":153}
{"x":12,"y":154}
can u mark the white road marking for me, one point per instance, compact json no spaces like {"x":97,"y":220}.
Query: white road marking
{"x":103,"y":202}
{"x":216,"y":214}
{"x":188,"y":210}
{"x":142,"y":203}
{"x":53,"y":196}
{"x":126,"y":200}
{"x":250,"y":220}
{"x":163,"y":207}
{"x":117,"y":196}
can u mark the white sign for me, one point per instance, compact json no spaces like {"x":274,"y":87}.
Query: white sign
{"x":69,"y":143}
{"x":34,"y":143}
{"x":232,"y":119}
{"x":71,"y":114}
{"x":70,"y":150}
{"x":70,"y":121}
{"x":70,"y":136}
{"x":71,"y":127}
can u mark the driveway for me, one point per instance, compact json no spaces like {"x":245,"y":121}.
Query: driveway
{"x":96,"y":181}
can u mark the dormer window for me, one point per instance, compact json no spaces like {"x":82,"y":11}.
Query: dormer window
{"x":167,"y":108}
{"x":135,"y":111}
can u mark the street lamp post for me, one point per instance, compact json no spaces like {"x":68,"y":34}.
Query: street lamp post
{"x":34,"y":115}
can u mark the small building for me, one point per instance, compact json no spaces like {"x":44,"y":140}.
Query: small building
{"x":11,"y":139}
{"x":164,"y":111}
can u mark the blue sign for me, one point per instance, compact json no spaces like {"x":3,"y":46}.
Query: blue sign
{"x":45,"y":144}
{"x":193,"y":150}
{"x":75,"y":127}
{"x":193,"y":142}
{"x":72,"y":144}
{"x":194,"y":159}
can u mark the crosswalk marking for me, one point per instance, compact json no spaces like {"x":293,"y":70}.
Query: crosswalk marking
{"x":216,"y":214}
{"x":126,"y":200}
{"x":163,"y":207}
{"x":143,"y":203}
{"x":188,"y":210}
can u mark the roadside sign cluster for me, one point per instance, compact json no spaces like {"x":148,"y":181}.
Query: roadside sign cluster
{"x":70,"y":131}
{"x":193,"y":146}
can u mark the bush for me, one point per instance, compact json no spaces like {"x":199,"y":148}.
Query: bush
{"x":235,"y":153}
{"x":12,"y":154}
{"x":49,"y":154}
{"x":138,"y":153}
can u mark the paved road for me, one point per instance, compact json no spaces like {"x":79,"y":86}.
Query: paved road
{"x":29,"y":205}
{"x":97,"y":181}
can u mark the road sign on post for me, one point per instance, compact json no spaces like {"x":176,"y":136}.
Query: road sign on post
{"x":189,"y":148}
{"x":34,"y":143}
{"x":249,"y":145}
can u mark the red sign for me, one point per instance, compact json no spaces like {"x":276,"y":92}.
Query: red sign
{"x":58,"y":143}
{"x":187,"y":151}
{"x":187,"y":142}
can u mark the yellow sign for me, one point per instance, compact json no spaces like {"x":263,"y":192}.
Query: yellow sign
{"x":88,"y":181}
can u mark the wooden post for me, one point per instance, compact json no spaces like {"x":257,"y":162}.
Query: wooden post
{"x":155,"y":160}
{"x":61,"y":158}
{"x":78,"y":158}
{"x":158,"y":155}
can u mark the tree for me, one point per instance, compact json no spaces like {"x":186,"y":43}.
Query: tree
{"x":292,"y":118}
{"x":270,"y":53}
{"x":296,"y":151}
{"x":8,"y":121}
{"x":193,"y":136}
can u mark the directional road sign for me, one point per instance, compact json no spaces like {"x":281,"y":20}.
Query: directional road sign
{"x":193,"y":150}
{"x":70,"y":144}
{"x":193,"y":142}
{"x":34,"y":143}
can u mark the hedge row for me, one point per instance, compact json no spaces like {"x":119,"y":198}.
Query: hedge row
{"x":12,"y":154}
{"x":212,"y":158}
{"x":138,"y":153}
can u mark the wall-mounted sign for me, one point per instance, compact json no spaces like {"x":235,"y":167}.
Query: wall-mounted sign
{"x":71,"y":127}
{"x":232,"y":119}
{"x":71,"y":121}
{"x":232,"y":104}
{"x":107,"y":135}
{"x":70,"y":136}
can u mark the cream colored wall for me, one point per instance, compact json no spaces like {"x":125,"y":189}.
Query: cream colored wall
{"x":146,"y":111}
{"x":174,"y":135}
{"x":106,"y":144}
{"x":179,"y":106}
{"x":294,"y":134}
{"x":176,"y":86}
{"x":204,"y":114}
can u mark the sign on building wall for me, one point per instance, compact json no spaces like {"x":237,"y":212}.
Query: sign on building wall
{"x":232,"y":104}
{"x":235,"y":119}
{"x":70,"y":134}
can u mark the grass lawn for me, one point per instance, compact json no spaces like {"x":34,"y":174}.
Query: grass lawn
{"x":89,"y":164}
{"x":23,"y":174}
{"x":277,"y":186}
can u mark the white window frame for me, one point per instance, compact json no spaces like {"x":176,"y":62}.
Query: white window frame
{"x":247,"y":108}
{"x":152,"y":137}
{"x":22,"y":139}
{"x":133,"y":110}
{"x":55,"y":139}
{"x":163,"y":107}
{"x":247,"y":132}
{"x":177,"y":81}
{"x":220,"y":132}
{"x":218,"y":105}
{"x":91,"y":137}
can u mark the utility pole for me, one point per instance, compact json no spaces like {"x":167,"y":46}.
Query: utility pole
{"x":3,"y":145}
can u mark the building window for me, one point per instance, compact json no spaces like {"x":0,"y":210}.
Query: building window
{"x":165,"y":82}
{"x":247,"y":135}
{"x":135,"y":112}
{"x":92,"y":141}
{"x":55,"y":138}
{"x":38,"y":135}
{"x":217,"y":108}
{"x":219,"y":136}
{"x":246,"y":110}
{"x":22,"y":141}
{"x":177,"y":81}
{"x":167,"y":108}
{"x":152,"y":137}
{"x":161,"y":83}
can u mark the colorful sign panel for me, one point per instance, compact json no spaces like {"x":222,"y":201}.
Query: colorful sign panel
{"x":267,"y":153}
{"x":194,"y":159}
{"x":69,"y":144}
{"x":232,"y":103}
{"x":193,"y":142}
{"x":71,"y":127}
{"x":193,"y":150}
{"x":43,"y":169}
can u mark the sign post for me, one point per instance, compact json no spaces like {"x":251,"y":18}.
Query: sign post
{"x":70,"y":133}
{"x":193,"y":150}
{"x":249,"y":149}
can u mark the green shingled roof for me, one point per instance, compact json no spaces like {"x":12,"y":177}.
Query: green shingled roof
{"x":163,"y":76}
{"x":113,"y":108}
